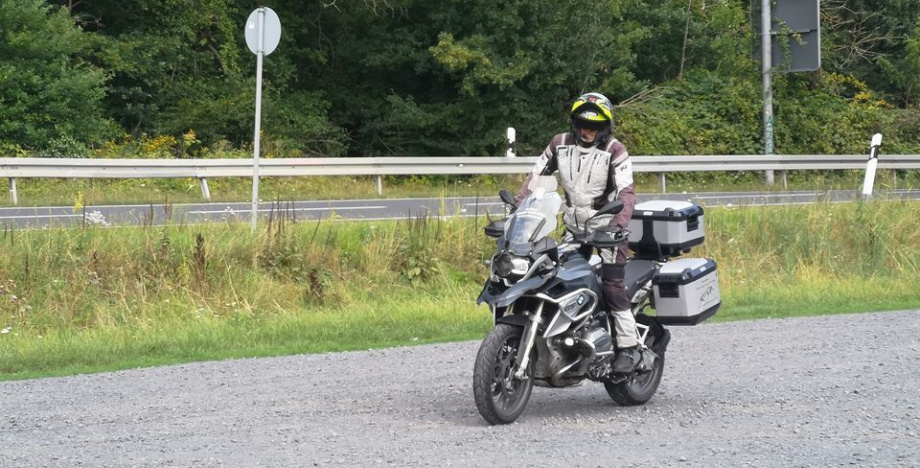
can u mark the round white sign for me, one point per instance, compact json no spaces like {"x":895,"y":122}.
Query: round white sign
{"x":269,"y":31}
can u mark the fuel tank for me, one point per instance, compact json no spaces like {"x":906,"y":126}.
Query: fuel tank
{"x":574,"y":273}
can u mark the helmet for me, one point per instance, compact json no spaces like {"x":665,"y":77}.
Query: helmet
{"x":593,"y":111}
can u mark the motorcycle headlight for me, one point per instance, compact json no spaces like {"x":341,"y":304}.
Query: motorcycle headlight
{"x":521,"y":265}
{"x":506,"y":265}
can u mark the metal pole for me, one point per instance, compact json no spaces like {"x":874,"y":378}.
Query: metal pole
{"x":512,"y":135}
{"x":256,"y":138}
{"x":380,"y":185}
{"x":766,"y":45}
{"x":14,"y":194}
{"x":871,"y":165}
{"x":205,"y":190}
{"x":663,"y":181}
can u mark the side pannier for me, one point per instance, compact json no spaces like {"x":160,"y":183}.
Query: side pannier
{"x":686,"y":291}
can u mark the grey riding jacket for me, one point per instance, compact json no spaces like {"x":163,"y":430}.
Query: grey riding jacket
{"x":591,"y":177}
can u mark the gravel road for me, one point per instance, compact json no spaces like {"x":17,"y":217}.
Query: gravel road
{"x":823,"y":391}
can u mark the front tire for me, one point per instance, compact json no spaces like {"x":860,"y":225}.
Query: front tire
{"x":500,"y":398}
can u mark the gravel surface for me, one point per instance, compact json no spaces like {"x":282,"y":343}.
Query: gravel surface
{"x":823,"y":391}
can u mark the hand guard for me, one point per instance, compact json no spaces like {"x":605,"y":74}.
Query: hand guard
{"x":608,"y":237}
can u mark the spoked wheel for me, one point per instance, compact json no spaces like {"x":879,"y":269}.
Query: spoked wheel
{"x":640,"y":387}
{"x":500,"y":397}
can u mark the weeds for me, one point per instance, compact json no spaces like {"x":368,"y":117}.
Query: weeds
{"x":354,"y":285}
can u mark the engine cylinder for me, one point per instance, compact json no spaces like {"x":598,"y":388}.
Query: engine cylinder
{"x":602,"y":340}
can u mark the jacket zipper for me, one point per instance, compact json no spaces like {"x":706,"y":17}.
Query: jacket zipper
{"x":591,"y":167}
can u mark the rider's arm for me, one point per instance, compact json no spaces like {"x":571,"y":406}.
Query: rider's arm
{"x":546,"y":165}
{"x":621,"y":182}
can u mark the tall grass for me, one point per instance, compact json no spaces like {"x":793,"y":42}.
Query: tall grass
{"x":75,"y":300}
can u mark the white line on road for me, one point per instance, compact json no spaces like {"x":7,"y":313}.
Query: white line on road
{"x":244,"y":210}
{"x":43,"y":216}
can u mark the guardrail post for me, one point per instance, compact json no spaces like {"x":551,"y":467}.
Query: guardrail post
{"x":14,"y":194}
{"x":782,"y":175}
{"x":663,"y":181}
{"x":205,"y":191}
{"x":380,"y":185}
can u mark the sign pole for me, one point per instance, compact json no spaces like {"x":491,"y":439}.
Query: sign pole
{"x":256,"y":139}
{"x":766,"y":46}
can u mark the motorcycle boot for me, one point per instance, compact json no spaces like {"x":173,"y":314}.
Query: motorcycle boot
{"x":626,"y":360}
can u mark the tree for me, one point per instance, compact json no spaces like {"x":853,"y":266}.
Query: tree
{"x":49,"y":93}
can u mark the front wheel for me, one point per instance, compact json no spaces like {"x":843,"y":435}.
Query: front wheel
{"x":500,"y":397}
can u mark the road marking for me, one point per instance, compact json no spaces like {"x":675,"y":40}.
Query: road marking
{"x":229,"y":210}
{"x":43,"y":216}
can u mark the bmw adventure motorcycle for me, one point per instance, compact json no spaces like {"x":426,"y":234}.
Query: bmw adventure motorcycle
{"x":551,"y":328}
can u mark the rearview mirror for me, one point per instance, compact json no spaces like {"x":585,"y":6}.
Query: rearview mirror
{"x":507,"y":197}
{"x":611,"y":208}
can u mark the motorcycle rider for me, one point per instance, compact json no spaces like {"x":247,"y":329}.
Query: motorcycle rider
{"x":595,"y":169}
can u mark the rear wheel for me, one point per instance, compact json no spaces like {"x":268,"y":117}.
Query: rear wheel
{"x":500,"y":397}
{"x":639,"y":388}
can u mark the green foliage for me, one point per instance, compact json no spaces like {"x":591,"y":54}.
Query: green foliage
{"x":416,"y":78}
{"x":418,"y":255}
{"x":50,"y":96}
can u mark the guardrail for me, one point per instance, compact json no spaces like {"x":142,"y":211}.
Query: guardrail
{"x":203,"y":169}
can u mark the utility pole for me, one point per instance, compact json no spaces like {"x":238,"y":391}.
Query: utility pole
{"x":766,"y":46}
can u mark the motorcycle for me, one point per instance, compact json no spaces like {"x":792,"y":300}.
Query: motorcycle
{"x":551,"y":327}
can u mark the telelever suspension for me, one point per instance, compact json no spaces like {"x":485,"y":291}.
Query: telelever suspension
{"x":530,"y":334}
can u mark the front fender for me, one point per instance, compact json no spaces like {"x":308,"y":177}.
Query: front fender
{"x":508,"y":296}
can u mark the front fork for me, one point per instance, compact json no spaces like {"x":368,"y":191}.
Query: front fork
{"x":530,"y":336}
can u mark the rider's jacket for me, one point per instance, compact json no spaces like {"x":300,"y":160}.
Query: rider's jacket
{"x":591,"y":177}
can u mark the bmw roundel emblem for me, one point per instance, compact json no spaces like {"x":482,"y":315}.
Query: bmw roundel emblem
{"x":581,"y":300}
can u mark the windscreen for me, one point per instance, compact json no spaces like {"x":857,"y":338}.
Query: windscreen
{"x":536,"y":217}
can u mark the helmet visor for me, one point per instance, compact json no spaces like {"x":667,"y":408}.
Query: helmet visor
{"x":590,"y":124}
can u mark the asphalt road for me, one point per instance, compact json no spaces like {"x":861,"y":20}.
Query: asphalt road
{"x":806,"y":392}
{"x":106,"y":215}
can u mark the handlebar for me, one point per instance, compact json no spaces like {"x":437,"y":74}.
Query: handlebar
{"x":602,"y":239}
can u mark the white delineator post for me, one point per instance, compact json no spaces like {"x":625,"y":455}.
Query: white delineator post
{"x":871,"y":165}
{"x":512,"y":135}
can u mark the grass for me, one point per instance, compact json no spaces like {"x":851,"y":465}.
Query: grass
{"x":95,"y":299}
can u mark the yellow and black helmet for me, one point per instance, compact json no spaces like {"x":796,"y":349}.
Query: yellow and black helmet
{"x":594,"y":111}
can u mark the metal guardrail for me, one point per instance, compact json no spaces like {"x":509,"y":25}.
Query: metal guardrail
{"x":203,"y":169}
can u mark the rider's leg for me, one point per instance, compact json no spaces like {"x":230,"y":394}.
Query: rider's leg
{"x":613,"y":271}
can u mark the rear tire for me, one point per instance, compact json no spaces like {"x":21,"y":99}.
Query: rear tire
{"x":639,"y":388}
{"x":500,"y":398}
